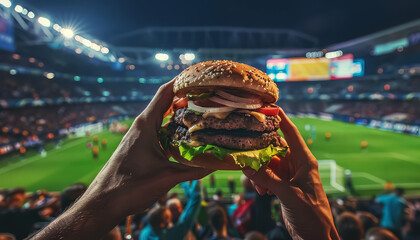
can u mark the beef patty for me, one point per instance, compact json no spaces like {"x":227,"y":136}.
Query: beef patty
{"x":234,"y":120}
{"x":233,"y":139}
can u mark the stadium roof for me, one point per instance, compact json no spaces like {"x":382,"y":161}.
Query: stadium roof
{"x":329,"y":21}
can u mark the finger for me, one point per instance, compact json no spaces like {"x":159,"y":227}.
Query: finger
{"x":160,"y":103}
{"x":265,"y":177}
{"x":290,"y":131}
{"x":280,"y":167}
{"x":260,"y":190}
{"x":186,"y":173}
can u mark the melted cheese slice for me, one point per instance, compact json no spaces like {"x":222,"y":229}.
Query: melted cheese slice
{"x":259,"y":116}
{"x":219,"y":115}
{"x":194,"y":143}
{"x":196,"y":127}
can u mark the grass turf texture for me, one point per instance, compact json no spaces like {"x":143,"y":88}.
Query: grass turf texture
{"x":389,"y":156}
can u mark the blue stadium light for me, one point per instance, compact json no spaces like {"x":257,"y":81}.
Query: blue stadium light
{"x":31,"y":14}
{"x":18,"y":8}
{"x":6,"y":3}
{"x":50,"y":75}
{"x":86,"y":42}
{"x":25,"y":11}
{"x":104,"y":50}
{"x":67,"y":32}
{"x":189,"y":56}
{"x":162,"y":56}
{"x":76,"y":78}
{"x":100,"y":80}
{"x":13,"y":72}
{"x":57,"y":27}
{"x":44,"y":21}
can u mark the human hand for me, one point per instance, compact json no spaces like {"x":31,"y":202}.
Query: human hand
{"x":295,"y":180}
{"x":137,"y":175}
{"x":139,"y":167}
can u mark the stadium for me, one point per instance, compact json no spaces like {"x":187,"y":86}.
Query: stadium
{"x":70,"y":92}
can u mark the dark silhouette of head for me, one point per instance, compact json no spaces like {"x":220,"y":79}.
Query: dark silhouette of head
{"x":176,"y":208}
{"x":15,"y":198}
{"x":70,"y":194}
{"x":399,"y":191}
{"x":349,"y":227}
{"x":160,"y":218}
{"x":218,"y":218}
{"x":254,"y":235}
{"x":368,"y":220}
{"x":378,"y":233}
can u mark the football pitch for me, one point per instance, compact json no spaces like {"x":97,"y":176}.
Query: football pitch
{"x":389,"y":156}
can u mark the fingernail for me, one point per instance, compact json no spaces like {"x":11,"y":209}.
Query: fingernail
{"x":249,"y":172}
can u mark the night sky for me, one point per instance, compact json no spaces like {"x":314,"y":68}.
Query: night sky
{"x":329,"y":21}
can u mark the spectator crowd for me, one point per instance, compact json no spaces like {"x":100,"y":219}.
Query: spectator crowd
{"x":194,"y":215}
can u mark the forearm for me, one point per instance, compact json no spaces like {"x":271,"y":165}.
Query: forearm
{"x":309,"y":216}
{"x":89,"y":218}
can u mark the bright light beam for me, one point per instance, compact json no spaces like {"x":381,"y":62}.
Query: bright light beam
{"x":67,"y":32}
{"x":161,"y":56}
{"x":44,"y":21}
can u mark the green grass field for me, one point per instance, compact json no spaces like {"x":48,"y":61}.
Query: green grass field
{"x":389,"y":157}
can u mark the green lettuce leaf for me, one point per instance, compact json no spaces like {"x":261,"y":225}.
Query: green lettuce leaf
{"x":254,"y":159}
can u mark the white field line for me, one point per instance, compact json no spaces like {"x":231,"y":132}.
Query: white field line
{"x":395,"y":155}
{"x":32,"y":159}
{"x":369,"y":176}
{"x":406,"y":158}
{"x":333,"y":179}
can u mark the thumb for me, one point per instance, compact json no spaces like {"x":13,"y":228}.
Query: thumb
{"x":160,"y":104}
{"x":187,"y":173}
{"x":266,"y":178}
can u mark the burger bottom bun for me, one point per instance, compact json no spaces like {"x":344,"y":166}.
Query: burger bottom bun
{"x":205,"y":160}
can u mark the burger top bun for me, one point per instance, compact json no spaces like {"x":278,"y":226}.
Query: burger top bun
{"x":206,"y":160}
{"x":226,"y":74}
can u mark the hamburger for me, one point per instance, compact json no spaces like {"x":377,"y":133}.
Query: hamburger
{"x":224,"y":117}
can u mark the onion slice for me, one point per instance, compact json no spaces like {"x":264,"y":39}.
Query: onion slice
{"x":235,"y":104}
{"x":208,"y":109}
{"x":233,"y":98}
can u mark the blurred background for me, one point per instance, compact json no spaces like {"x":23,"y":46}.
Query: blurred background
{"x":74,"y":75}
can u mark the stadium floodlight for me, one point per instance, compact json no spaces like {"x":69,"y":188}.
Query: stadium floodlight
{"x":44,"y":21}
{"x":57,"y":27}
{"x":67,"y":32}
{"x":100,"y":80}
{"x":6,"y":3}
{"x":162,"y":56}
{"x":31,"y":14}
{"x":86,"y":42}
{"x":50,"y":75}
{"x":95,"y":47}
{"x":104,"y":50}
{"x":18,"y":8}
{"x":121,"y":60}
{"x":189,"y":56}
{"x":25,"y":11}
{"x":334,"y":54}
{"x":76,"y":78}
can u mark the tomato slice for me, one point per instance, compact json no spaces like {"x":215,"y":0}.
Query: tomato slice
{"x":182,"y":102}
{"x":268,"y":111}
{"x":207,"y":103}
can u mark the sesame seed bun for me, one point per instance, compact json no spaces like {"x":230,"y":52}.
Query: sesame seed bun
{"x":226,"y":74}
